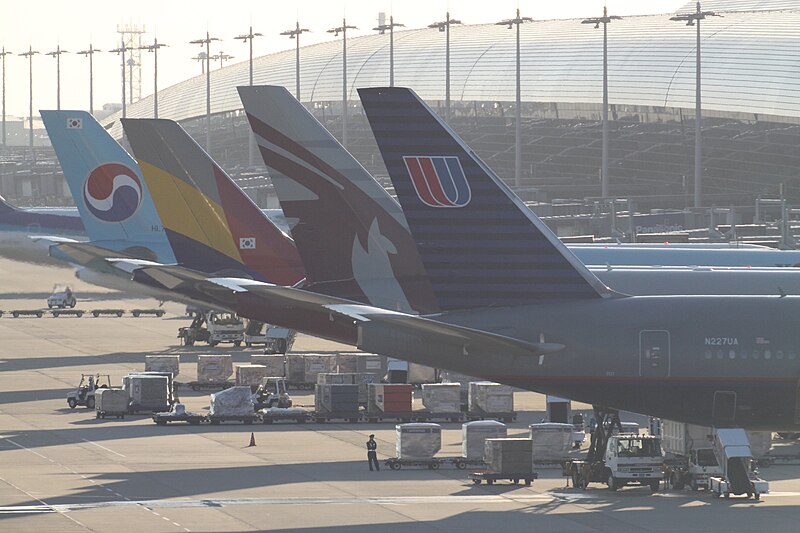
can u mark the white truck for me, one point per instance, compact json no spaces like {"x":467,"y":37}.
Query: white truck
{"x":276,"y":339}
{"x":61,"y":297}
{"x":213,"y":327}
{"x":628,"y":458}
{"x":739,"y":475}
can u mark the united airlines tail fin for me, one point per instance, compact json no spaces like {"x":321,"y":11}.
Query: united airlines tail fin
{"x":107,"y":186}
{"x":352,"y":235}
{"x":480,"y":244}
{"x":212,"y":224}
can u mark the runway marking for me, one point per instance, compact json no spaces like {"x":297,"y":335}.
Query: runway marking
{"x":103,"y":447}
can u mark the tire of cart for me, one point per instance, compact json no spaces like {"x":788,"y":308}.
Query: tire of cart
{"x":394,"y":465}
{"x":433,"y":466}
{"x":461,"y":465}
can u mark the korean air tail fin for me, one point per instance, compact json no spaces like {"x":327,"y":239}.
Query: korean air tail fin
{"x":107,"y":186}
{"x":480,"y":244}
{"x":352,"y":235}
{"x":212,"y":224}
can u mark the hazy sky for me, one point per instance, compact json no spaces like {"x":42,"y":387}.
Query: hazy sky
{"x":44,"y":24}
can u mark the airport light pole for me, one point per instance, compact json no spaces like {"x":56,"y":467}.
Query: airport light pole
{"x":444,"y":26}
{"x":57,"y":54}
{"x":604,"y":20}
{"x":201,"y":58}
{"x":518,"y":21}
{"x":336,"y":31}
{"x":295,"y":34}
{"x":154,"y":48}
{"x":248,"y":38}
{"x":89,"y":53}
{"x":3,"y":55}
{"x":221,"y":57}
{"x":29,"y":54}
{"x":693,"y":19}
{"x":207,"y":42}
{"x":121,"y":51}
{"x":381,"y":28}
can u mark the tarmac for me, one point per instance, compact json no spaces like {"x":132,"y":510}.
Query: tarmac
{"x":63,"y":470}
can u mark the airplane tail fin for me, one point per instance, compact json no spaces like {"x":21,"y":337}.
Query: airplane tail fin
{"x":352,"y":235}
{"x":6,"y":207}
{"x":106,"y":184}
{"x":479,"y":242}
{"x":212,"y":224}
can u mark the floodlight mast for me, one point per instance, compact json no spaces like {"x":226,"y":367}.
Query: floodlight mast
{"x":3,"y":55}
{"x":121,"y":51}
{"x":154,"y":48}
{"x":444,"y":26}
{"x":336,"y":31}
{"x":57,"y":55}
{"x":693,"y":19}
{"x":295,"y":34}
{"x":518,"y":21}
{"x":29,"y":54}
{"x":381,"y":28}
{"x":207,"y":42}
{"x":605,"y":20}
{"x":89,"y":53}
{"x":248,"y":38}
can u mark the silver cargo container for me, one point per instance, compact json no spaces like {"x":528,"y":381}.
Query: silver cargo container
{"x":251,"y":375}
{"x":418,"y":440}
{"x":509,"y":456}
{"x":680,"y":439}
{"x":111,"y":401}
{"x":295,"y":368}
{"x":214,"y":368}
{"x":474,"y":435}
{"x":163,"y":363}
{"x":275,"y":364}
{"x":314,"y":364}
{"x":234,"y":401}
{"x":442,"y":397}
{"x":551,"y":441}
{"x":488,"y":397}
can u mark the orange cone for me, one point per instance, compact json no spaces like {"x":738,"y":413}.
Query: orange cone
{"x":252,"y":440}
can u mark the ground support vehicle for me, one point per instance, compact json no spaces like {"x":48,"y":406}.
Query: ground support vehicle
{"x":244,"y":419}
{"x":693,"y":471}
{"x":739,"y":476}
{"x":110,"y":312}
{"x":279,"y":414}
{"x":84,"y":393}
{"x":67,"y":312}
{"x":139,"y":312}
{"x":617,"y":460}
{"x":490,"y":477}
{"x":61,"y":297}
{"x":272,"y":392}
{"x":414,"y":416}
{"x":16,"y":313}
{"x":213,"y":327}
{"x":505,"y":417}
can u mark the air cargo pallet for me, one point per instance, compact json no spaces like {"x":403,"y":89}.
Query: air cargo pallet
{"x":162,"y":419}
{"x":353,"y":417}
{"x":136,"y":409}
{"x":490,"y":477}
{"x":244,"y":419}
{"x":505,"y":417}
{"x":109,"y":414}
{"x":300,"y":418}
{"x":157,"y":312}
{"x":413,"y":416}
{"x":395,"y":463}
{"x":67,"y":312}
{"x":300,"y":386}
{"x":16,"y":313}
{"x":97,"y":312}
{"x":205,"y":385}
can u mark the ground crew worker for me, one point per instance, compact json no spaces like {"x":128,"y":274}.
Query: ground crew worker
{"x":372,"y":453}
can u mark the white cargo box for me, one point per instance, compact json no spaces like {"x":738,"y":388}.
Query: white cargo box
{"x":488,"y":397}
{"x":111,"y":401}
{"x":274,"y":363}
{"x":418,"y":440}
{"x":251,"y":375}
{"x":314,"y":364}
{"x":551,"y":442}
{"x":442,"y":397}
{"x":214,"y":368}
{"x":235,"y":401}
{"x":162,"y":363}
{"x":474,"y":435}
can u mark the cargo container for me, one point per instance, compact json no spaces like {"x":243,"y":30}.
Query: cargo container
{"x":509,"y":456}
{"x":418,"y":440}
{"x":250,"y":375}
{"x":357,"y":362}
{"x":551,"y":441}
{"x":487,"y":399}
{"x":111,"y":402}
{"x":389,"y":398}
{"x":214,"y":369}
{"x":317,"y":364}
{"x":474,"y":435}
{"x":442,"y":397}
{"x":148,"y":392}
{"x":419,"y":374}
{"x":162,"y":363}
{"x":336,"y":402}
{"x":276,"y":365}
{"x":234,"y":403}
{"x":296,"y":370}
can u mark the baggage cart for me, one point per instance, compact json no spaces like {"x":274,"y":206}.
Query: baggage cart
{"x":67,"y":312}
{"x":490,"y":477}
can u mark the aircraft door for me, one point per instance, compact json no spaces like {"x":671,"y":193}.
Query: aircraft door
{"x":724,"y":408}
{"x":797,"y":405}
{"x":654,"y":353}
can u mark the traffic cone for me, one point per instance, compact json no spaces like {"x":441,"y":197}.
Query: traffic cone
{"x":252,"y":440}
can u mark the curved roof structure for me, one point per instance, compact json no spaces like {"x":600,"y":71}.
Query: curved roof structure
{"x":750,"y":66}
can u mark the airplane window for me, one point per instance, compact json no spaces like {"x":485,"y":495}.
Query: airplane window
{"x":732,"y":354}
{"x":743,"y":354}
{"x":791,"y":355}
{"x":708,"y":354}
{"x":756,"y":354}
{"x":767,"y":354}
{"x":779,"y":354}
{"x":720,"y":354}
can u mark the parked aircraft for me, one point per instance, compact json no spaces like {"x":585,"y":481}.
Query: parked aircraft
{"x":16,"y":225}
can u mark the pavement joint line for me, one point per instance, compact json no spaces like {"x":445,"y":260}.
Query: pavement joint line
{"x":45,"y":507}
{"x":102,"y":447}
